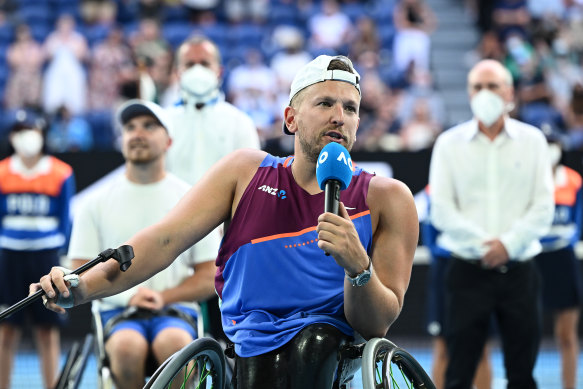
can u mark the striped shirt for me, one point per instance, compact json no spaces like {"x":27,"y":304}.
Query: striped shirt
{"x":34,"y":204}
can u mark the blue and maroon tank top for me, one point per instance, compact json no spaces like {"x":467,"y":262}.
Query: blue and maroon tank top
{"x":272,"y":278}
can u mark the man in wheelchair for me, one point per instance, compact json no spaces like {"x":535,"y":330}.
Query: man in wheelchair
{"x":142,"y":326}
{"x":294,"y":282}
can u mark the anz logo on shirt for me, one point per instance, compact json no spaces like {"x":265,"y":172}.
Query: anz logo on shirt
{"x":273,"y":191}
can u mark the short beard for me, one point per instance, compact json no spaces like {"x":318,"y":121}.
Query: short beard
{"x":311,"y":148}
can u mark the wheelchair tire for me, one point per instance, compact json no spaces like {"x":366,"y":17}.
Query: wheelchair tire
{"x":387,"y":366}
{"x":209,"y":361}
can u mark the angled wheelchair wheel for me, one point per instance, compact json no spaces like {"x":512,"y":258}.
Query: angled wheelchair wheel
{"x":201,"y":364}
{"x":387,"y":366}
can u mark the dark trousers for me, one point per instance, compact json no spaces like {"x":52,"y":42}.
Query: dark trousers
{"x":308,"y":361}
{"x":473,"y":294}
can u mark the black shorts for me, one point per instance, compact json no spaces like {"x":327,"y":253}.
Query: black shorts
{"x":19,"y":269}
{"x":561,"y":279}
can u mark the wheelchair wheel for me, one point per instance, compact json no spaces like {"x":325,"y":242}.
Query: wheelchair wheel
{"x":201,"y":364}
{"x":387,"y":366}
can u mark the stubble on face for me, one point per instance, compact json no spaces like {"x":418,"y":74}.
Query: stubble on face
{"x":312,"y":146}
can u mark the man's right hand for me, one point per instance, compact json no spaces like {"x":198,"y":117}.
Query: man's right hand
{"x":56,"y":285}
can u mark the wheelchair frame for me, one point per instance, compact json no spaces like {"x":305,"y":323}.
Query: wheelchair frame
{"x":209,"y":359}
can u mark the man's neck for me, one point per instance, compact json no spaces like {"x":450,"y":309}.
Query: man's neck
{"x":144,"y":174}
{"x":492,"y":131}
{"x":304,"y":173}
{"x":30,"y":162}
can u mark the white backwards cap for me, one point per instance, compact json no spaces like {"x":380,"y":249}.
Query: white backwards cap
{"x":317,"y":71}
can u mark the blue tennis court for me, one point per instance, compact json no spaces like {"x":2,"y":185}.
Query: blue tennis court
{"x":547,"y":372}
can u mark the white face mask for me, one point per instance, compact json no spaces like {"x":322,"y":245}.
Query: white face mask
{"x":487,"y":107}
{"x":27,"y":143}
{"x":199,"y":84}
{"x":555,"y":154}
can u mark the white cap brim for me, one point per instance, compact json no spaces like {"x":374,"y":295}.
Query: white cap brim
{"x":137,"y":107}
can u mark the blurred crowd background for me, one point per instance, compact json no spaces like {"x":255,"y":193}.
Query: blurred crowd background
{"x":75,"y":61}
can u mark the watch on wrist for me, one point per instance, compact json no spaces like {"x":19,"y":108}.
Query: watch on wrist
{"x":363,"y":277}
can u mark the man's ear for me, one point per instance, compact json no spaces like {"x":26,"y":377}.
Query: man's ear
{"x":290,"y":119}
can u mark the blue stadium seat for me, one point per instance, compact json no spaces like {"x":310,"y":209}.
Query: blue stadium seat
{"x":176,"y":33}
{"x":175,"y":13}
{"x":386,"y":32}
{"x":6,"y":33}
{"x":40,"y":31}
{"x":283,"y":13}
{"x":101,"y":123}
{"x":215,"y":32}
{"x":3,"y":51}
{"x":382,"y":12}
{"x":36,"y":13}
{"x":246,"y":34}
{"x":95,"y":33}
{"x":354,"y":10}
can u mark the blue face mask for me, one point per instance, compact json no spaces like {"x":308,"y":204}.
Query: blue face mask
{"x":199,"y":85}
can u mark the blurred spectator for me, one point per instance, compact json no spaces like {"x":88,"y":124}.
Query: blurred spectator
{"x":153,"y":53}
{"x":150,"y":9}
{"x":98,"y":12}
{"x":378,"y":122}
{"x":510,"y":17}
{"x":482,"y":11}
{"x":65,"y":80}
{"x":202,"y":11}
{"x":25,"y":58}
{"x":68,"y":132}
{"x":563,"y":69}
{"x":544,"y":9}
{"x":290,"y":55}
{"x":420,"y":131}
{"x":573,"y":21}
{"x":415,"y":22}
{"x":329,"y":29}
{"x":421,"y":87}
{"x":252,"y":88}
{"x":366,"y":37}
{"x":111,"y":66}
{"x":574,"y":138}
{"x":255,"y":11}
{"x":488,"y":48}
{"x":533,"y":95}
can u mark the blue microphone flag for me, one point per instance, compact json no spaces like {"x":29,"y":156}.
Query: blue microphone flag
{"x":334,"y":163}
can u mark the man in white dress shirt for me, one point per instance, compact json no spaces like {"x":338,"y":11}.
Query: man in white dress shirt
{"x":492,"y":198}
